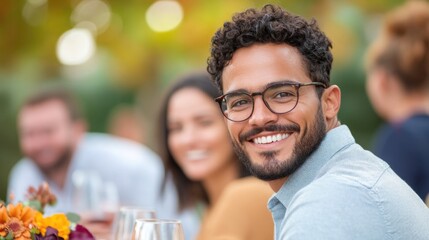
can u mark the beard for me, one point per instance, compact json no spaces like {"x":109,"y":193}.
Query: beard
{"x":273,"y":168}
{"x":60,"y":161}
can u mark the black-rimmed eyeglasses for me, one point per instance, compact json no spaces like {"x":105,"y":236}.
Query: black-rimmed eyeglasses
{"x":279,"y":98}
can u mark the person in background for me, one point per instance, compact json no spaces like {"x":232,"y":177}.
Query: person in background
{"x":202,"y":169}
{"x":59,"y":151}
{"x":281,"y":111}
{"x":125,"y":122}
{"x":398,"y":87}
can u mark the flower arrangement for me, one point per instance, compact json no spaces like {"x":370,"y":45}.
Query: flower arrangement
{"x":25,"y":221}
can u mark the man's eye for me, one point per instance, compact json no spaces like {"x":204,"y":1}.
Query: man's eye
{"x":283,"y":94}
{"x":239,"y":103}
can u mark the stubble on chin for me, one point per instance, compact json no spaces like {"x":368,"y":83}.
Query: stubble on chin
{"x":60,"y":162}
{"x":273,"y":166}
{"x":269,"y":169}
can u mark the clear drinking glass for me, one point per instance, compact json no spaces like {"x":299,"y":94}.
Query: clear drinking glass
{"x":124,"y":221}
{"x":94,"y":199}
{"x":157,"y":229}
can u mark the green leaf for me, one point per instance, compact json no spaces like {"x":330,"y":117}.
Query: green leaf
{"x":35,"y":205}
{"x":73,"y":217}
{"x":9,"y":236}
{"x":34,"y":230}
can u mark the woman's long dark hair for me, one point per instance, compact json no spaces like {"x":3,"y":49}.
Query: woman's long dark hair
{"x":189,"y":192}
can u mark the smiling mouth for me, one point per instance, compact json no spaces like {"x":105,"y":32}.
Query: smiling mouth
{"x":270,"y":138}
{"x":196,"y":155}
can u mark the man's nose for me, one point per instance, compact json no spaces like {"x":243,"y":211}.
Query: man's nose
{"x":261,"y":115}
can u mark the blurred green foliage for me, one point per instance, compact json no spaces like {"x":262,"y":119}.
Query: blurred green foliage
{"x":134,"y":64}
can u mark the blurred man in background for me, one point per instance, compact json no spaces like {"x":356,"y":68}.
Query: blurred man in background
{"x":398,"y":87}
{"x":84,"y":170}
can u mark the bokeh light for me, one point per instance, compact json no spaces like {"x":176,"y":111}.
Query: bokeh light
{"x":164,"y":15}
{"x":34,"y":11}
{"x":94,"y":11}
{"x":75,"y":46}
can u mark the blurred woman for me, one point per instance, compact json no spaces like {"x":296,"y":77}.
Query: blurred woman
{"x":200,"y":161}
{"x":398,"y":87}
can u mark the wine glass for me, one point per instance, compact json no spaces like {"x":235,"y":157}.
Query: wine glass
{"x":124,"y":221}
{"x":93,"y":197}
{"x":95,"y":200}
{"x":157,"y":229}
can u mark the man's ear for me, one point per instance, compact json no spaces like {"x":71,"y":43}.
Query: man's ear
{"x":331,"y":102}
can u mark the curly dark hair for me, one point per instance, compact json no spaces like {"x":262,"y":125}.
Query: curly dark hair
{"x":271,"y":24}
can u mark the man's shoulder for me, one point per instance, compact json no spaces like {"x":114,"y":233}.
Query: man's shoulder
{"x":125,"y":158}
{"x":333,"y":191}
{"x":353,"y":177}
{"x":24,"y":174}
{"x":108,"y":143}
{"x":108,"y":148}
{"x":25,"y":171}
{"x":358,"y":173}
{"x":326,"y":208}
{"x":24,"y":166}
{"x":348,"y":205}
{"x":354,"y":166}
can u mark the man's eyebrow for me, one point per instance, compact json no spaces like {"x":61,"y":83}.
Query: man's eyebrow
{"x":242,"y":90}
{"x":285,"y":81}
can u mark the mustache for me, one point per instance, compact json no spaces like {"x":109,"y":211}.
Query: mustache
{"x":293,"y":127}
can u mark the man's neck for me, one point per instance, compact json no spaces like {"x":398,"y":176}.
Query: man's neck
{"x":58,"y":175}
{"x":277,"y":184}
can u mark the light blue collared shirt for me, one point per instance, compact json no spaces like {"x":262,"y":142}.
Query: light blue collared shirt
{"x":134,"y":170}
{"x":345,"y":192}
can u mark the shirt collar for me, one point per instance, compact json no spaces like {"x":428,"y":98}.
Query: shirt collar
{"x":335,"y":140}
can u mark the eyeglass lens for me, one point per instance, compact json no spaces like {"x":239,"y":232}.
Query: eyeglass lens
{"x":278,"y":98}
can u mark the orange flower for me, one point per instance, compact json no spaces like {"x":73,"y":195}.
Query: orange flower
{"x":17,"y":219}
{"x":58,"y":221}
{"x":4,"y":218}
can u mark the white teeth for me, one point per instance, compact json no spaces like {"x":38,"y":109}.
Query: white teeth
{"x":196,"y":155}
{"x":270,"y":139}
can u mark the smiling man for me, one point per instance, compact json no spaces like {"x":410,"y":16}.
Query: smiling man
{"x":58,"y":150}
{"x":273,"y":69}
